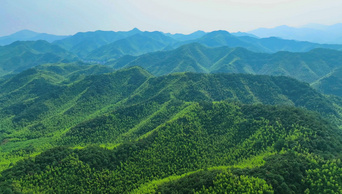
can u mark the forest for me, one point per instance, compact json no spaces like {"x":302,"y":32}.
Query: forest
{"x":105,"y":112}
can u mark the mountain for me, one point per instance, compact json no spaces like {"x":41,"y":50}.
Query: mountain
{"x":26,"y":104}
{"x":83,"y":43}
{"x":27,"y":35}
{"x":313,"y":33}
{"x":186,"y":37}
{"x":137,"y":44}
{"x":48,"y":74}
{"x":308,"y":67}
{"x":330,"y":84}
{"x":170,"y":114}
{"x":101,"y":46}
{"x":217,"y":137}
{"x":243,"y":34}
{"x":128,"y":131}
{"x":22,"y":55}
{"x":269,"y":45}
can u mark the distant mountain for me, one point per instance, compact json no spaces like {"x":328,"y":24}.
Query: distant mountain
{"x":270,"y":45}
{"x":313,"y":33}
{"x":137,"y":44}
{"x":186,"y":37}
{"x":27,"y":35}
{"x":308,"y":67}
{"x":22,"y":55}
{"x":244,"y":34}
{"x":101,"y":46}
{"x":83,"y":43}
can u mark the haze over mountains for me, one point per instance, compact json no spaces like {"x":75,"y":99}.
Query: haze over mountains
{"x":323,"y":34}
{"x":152,"y":112}
{"x":28,"y":35}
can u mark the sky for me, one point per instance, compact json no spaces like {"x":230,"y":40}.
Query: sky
{"x":67,"y":17}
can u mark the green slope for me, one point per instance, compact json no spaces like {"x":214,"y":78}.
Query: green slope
{"x":20,"y":56}
{"x":30,"y":107}
{"x":202,"y":135}
{"x":330,"y":84}
{"x":160,"y":127}
{"x":308,"y":67}
{"x":83,"y":43}
{"x":137,"y":44}
{"x":269,"y":45}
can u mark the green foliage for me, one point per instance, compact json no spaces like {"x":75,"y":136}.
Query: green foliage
{"x":200,"y":136}
{"x":226,"y":182}
{"x":135,"y":45}
{"x":330,"y":84}
{"x":309,"y":66}
{"x":20,"y":56}
{"x":83,"y":43}
{"x":163,"y":130}
{"x":326,"y":178}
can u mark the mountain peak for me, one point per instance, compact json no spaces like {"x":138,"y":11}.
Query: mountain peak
{"x":136,"y":30}
{"x":218,"y":33}
{"x":23,"y":34}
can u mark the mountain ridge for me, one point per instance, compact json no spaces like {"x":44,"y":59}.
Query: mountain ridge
{"x":28,"y":35}
{"x":194,"y":57}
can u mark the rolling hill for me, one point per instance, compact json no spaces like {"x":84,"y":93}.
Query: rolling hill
{"x":330,"y":84}
{"x":200,"y":136}
{"x":22,"y":55}
{"x":137,"y":44}
{"x":95,"y":129}
{"x":83,"y":43}
{"x":101,"y":46}
{"x":268,"y":45}
{"x":170,"y":113}
{"x":308,"y":67}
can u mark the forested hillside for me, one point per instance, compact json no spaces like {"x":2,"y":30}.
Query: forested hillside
{"x":331,"y":83}
{"x":151,"y":112}
{"x":137,"y":44}
{"x":308,"y":66}
{"x":103,"y":46}
{"x":201,"y":136}
{"x":127,"y":131}
{"x":22,"y":55}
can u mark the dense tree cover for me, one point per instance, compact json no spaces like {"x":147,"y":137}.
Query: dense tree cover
{"x":83,"y":43}
{"x":309,"y":66}
{"x":76,"y":99}
{"x":22,"y":55}
{"x":127,"y":129}
{"x":330,"y":84}
{"x":137,"y":44}
{"x":105,"y":45}
{"x":227,"y":182}
{"x":201,"y":136}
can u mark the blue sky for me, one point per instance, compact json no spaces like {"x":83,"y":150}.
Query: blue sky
{"x":65,"y":17}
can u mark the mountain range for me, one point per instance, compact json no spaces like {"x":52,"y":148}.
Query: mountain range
{"x":309,"y":66}
{"x":22,"y":55}
{"x":152,"y":112}
{"x":323,"y":34}
{"x":28,"y":35}
{"x":102,"y":46}
{"x":179,"y":123}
